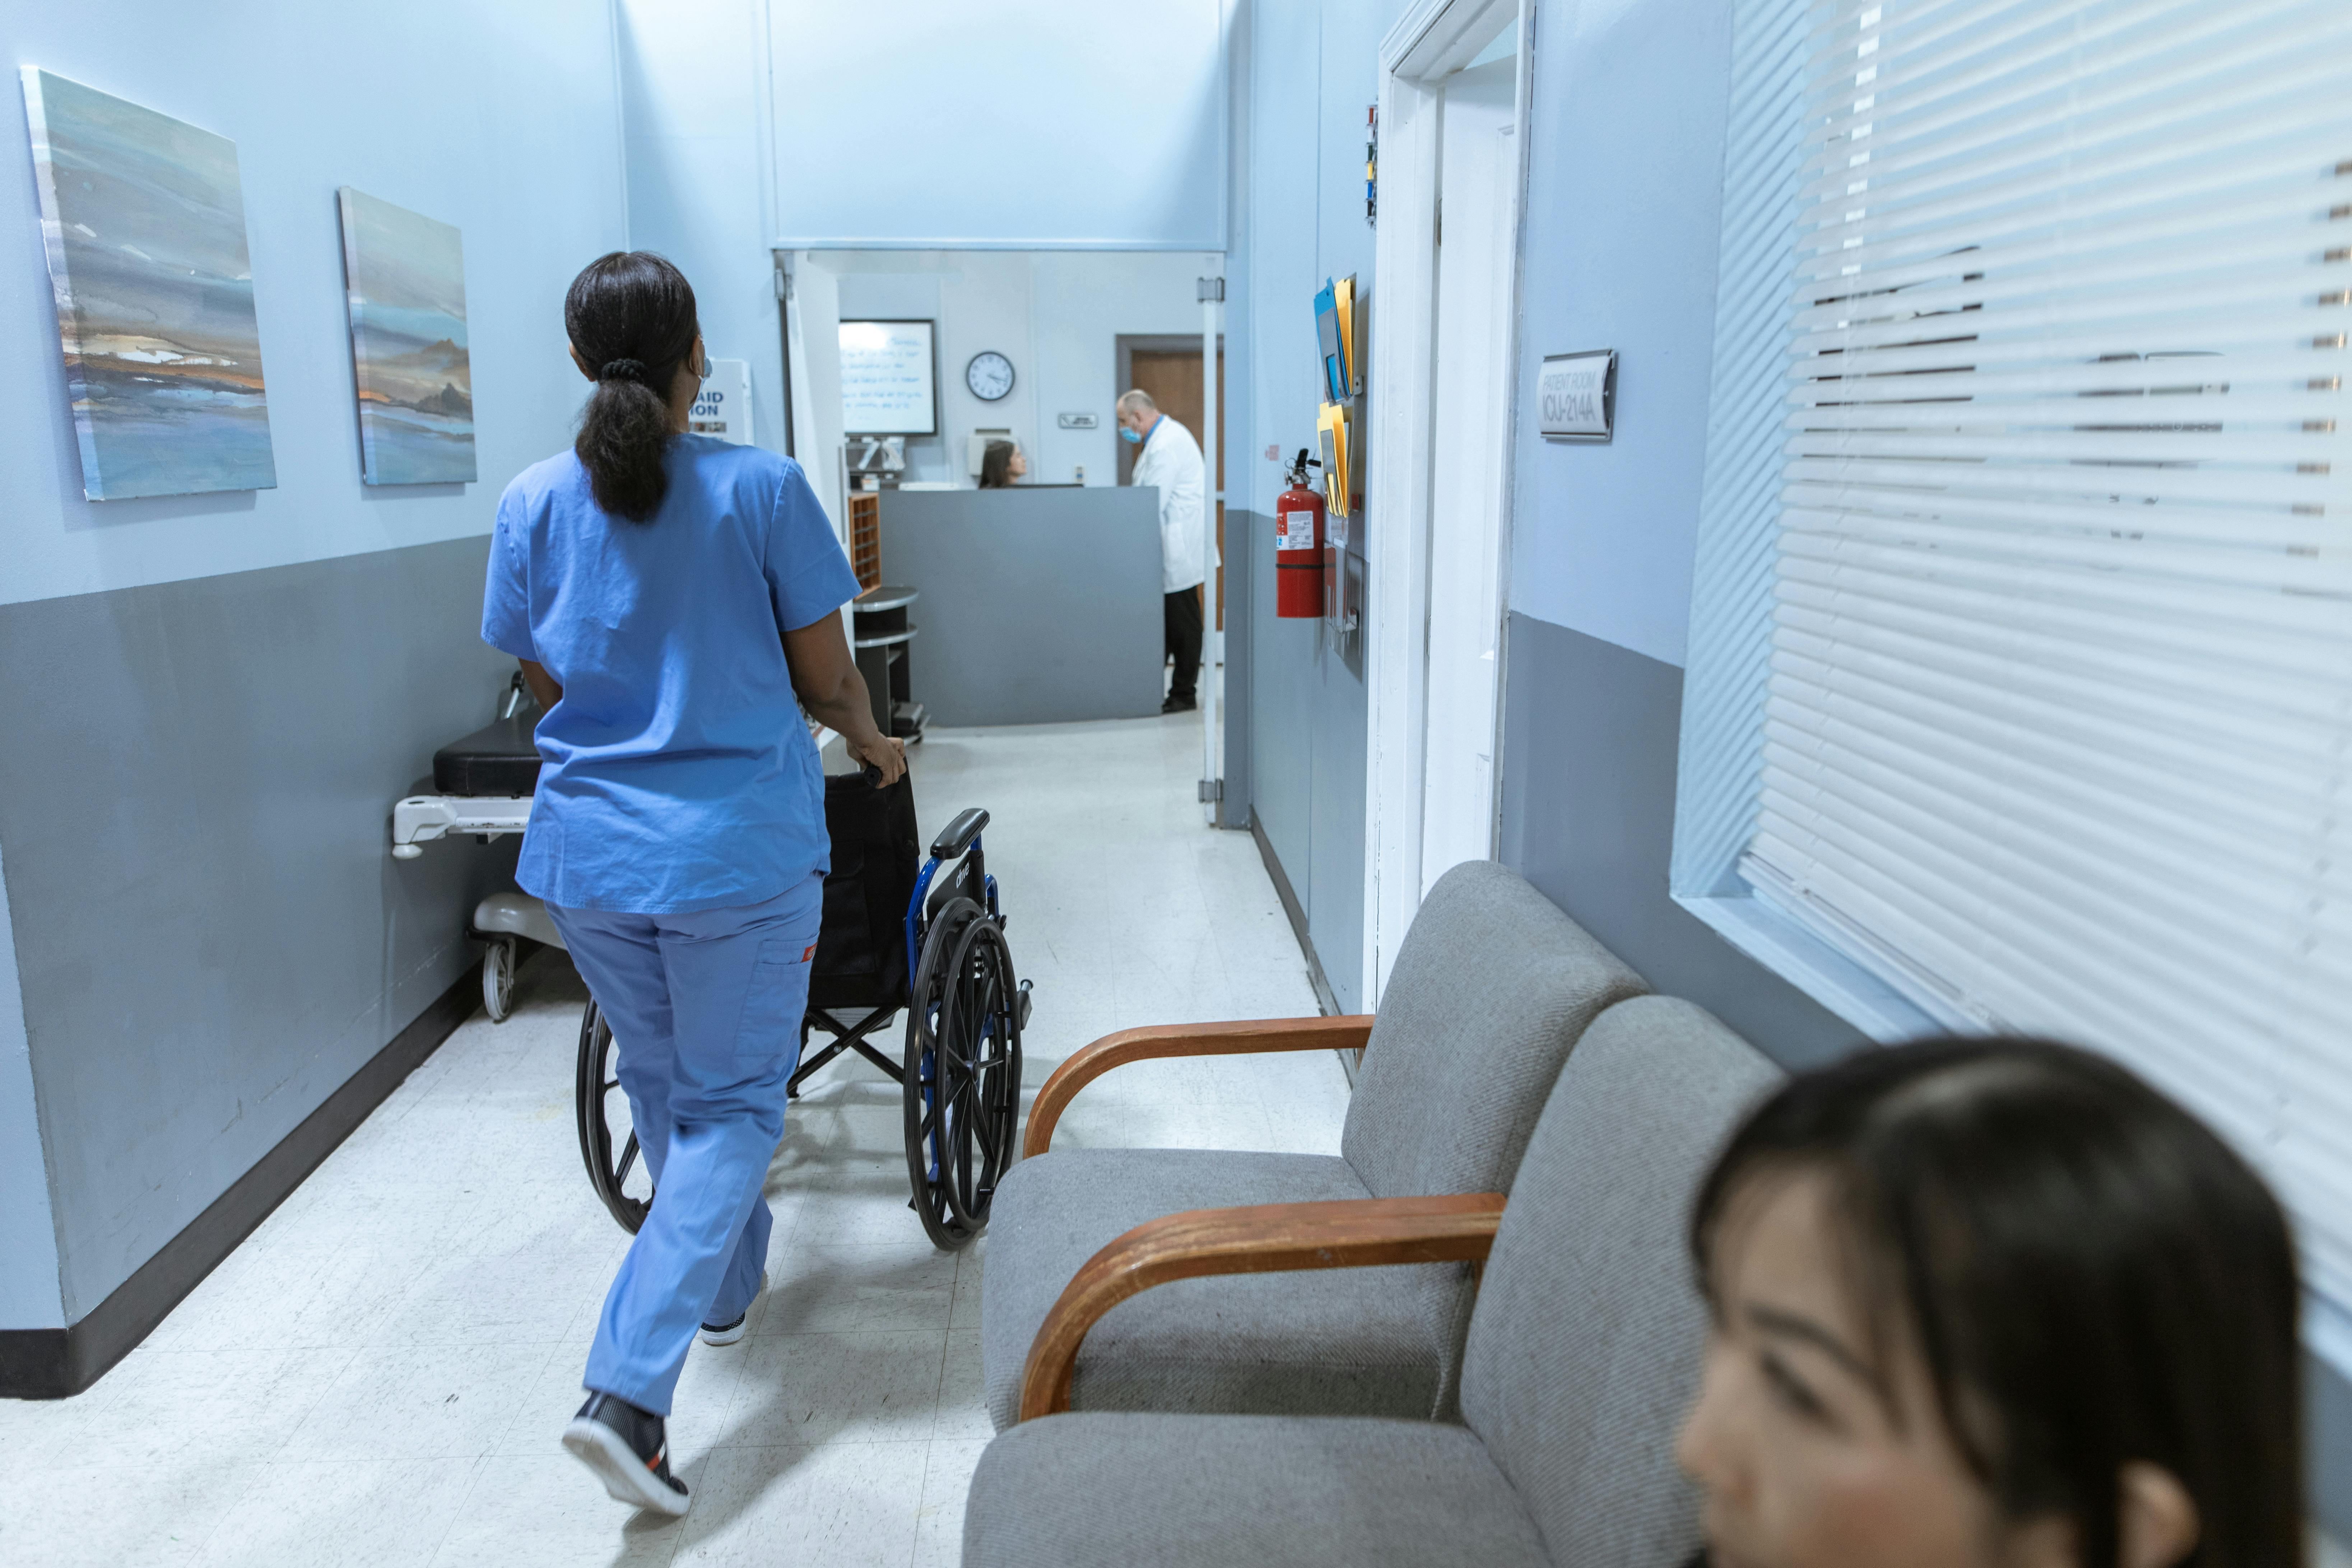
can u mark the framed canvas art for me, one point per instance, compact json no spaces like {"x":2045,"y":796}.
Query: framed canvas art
{"x":143,"y":221}
{"x":404,"y":277}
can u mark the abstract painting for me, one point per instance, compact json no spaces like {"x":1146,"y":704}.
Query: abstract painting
{"x":405,"y":277}
{"x":144,"y":220}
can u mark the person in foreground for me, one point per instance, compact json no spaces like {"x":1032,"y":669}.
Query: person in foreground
{"x":1992,"y":1302}
{"x":669,"y":597}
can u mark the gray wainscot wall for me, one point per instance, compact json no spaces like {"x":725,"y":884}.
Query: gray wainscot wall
{"x":1302,"y":694}
{"x":1040,"y":606}
{"x":223,"y":967}
{"x":1591,"y":732}
{"x":1592,"y":736}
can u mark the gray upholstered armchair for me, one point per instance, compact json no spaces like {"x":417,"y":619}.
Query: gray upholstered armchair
{"x":1492,"y":988}
{"x":1582,"y":1352}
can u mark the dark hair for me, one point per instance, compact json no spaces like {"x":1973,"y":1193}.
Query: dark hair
{"x":2092,"y":1277}
{"x":996,"y":466}
{"x":631,"y":316}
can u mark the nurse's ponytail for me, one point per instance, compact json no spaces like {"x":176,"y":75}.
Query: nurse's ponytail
{"x":631,"y":319}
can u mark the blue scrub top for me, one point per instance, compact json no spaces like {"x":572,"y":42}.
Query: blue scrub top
{"x":677,"y":771}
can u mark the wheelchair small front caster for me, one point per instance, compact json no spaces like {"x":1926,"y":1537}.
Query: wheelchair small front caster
{"x":498,"y":978}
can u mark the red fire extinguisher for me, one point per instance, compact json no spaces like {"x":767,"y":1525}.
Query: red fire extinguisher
{"x":1298,"y":546}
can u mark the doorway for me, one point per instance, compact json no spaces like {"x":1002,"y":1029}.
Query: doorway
{"x":1167,"y":368}
{"x":1454,"y":93}
{"x":1469,"y":457}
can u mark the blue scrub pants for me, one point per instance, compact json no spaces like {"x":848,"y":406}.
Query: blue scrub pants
{"x":706,"y":1014}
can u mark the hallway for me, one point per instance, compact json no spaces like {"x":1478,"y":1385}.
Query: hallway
{"x":378,"y":1374}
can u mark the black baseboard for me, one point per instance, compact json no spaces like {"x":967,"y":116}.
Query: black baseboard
{"x":53,"y":1363}
{"x":1324,"y":997}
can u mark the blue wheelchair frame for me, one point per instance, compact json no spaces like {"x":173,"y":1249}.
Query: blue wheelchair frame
{"x":984,"y":1064}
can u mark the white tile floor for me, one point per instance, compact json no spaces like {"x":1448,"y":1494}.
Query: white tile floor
{"x":378,"y":1375}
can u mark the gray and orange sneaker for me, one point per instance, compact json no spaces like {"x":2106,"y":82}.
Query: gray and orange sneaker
{"x":629,"y":1450}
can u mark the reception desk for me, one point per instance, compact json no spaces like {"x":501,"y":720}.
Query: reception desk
{"x":1038,"y":607}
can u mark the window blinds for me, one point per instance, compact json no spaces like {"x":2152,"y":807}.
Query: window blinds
{"x":2058,"y":735}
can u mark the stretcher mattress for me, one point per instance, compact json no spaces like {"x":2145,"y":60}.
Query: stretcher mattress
{"x":498,"y":759}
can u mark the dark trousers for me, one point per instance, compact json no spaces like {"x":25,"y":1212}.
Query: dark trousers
{"x":1180,"y":620}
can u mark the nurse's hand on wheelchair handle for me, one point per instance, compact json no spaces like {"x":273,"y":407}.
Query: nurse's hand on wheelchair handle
{"x":884,"y":762}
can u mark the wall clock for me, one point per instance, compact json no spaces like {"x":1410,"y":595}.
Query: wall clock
{"x":990,"y":375}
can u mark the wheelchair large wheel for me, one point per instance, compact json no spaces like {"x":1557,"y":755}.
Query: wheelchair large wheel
{"x":963,"y":1093}
{"x":594,"y":1094}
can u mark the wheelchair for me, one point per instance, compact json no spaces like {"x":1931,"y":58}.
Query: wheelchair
{"x":928,"y":943}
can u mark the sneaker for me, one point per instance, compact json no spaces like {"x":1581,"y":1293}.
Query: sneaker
{"x":1178,"y":705}
{"x":629,"y":1450}
{"x":728,"y":1334}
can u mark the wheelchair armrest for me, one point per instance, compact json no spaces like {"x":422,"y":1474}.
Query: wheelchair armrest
{"x":957,"y":837}
{"x":1088,"y":1063}
{"x":1263,"y":1238}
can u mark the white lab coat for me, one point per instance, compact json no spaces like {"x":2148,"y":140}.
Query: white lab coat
{"x":1170,"y":460}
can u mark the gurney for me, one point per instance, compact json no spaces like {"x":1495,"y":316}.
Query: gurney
{"x":483,"y":785}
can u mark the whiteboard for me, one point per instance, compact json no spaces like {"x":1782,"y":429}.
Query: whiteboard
{"x":889,"y":381}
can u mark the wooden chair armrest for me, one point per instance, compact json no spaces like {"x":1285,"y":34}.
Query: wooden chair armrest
{"x":1265,"y":1239}
{"x":1090,"y":1062}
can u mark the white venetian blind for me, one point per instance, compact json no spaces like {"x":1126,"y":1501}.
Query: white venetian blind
{"x":2060,"y":697}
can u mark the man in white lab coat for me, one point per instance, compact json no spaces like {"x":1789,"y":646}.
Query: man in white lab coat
{"x":1170,"y":460}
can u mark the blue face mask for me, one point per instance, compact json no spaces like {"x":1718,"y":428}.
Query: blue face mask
{"x":1130,"y":434}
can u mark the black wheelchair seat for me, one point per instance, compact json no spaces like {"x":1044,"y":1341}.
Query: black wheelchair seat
{"x":861,"y":946}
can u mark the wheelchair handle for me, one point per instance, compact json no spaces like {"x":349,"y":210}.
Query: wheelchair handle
{"x":957,"y":837}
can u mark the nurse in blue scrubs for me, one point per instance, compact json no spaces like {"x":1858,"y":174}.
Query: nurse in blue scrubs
{"x":673,"y":601}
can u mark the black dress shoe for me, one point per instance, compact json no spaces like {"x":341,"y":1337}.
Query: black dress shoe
{"x":629,"y":1450}
{"x":1178,"y":705}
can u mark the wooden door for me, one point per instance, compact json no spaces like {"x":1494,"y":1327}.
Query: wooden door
{"x":1173,"y":378}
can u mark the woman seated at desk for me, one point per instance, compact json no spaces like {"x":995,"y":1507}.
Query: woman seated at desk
{"x":999,"y":464}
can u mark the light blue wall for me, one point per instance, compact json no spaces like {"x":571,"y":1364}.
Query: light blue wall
{"x":1310,"y":71}
{"x":1056,"y":314}
{"x":1240,"y":384}
{"x":1624,"y":189}
{"x":498,"y":118}
{"x":501,"y":119}
{"x":1625,"y":158}
{"x":1300,"y":210}
{"x":926,"y":125}
{"x":1080,"y":304}
{"x":1623,"y":203}
{"x":1022,"y":123}
{"x":1350,"y":59}
{"x":1275,"y":258}
{"x":693,"y":92}
{"x":1629,"y":103}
